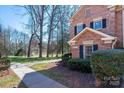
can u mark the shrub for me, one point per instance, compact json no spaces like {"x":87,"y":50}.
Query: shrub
{"x":79,"y":64}
{"x":108,"y":63}
{"x":19,"y":52}
{"x":65,"y":58}
{"x":4,"y":64}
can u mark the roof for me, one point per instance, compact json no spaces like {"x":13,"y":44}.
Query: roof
{"x":105,"y":36}
{"x":76,"y":12}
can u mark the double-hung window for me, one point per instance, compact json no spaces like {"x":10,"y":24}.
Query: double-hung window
{"x":79,"y":27}
{"x":88,"y":51}
{"x":97,"y":25}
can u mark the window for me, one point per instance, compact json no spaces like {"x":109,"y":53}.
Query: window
{"x":88,"y":51}
{"x":79,"y":27}
{"x":97,"y":25}
{"x":87,"y":12}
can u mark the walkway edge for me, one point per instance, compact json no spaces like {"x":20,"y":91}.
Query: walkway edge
{"x":33,"y":79}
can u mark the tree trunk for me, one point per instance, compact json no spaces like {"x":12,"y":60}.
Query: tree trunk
{"x":58,"y":46}
{"x":49,"y":36}
{"x":40,"y":44}
{"x":0,"y":55}
{"x":52,"y":50}
{"x":58,"y":49}
{"x":48,"y":45}
{"x":29,"y":46}
{"x":61,"y":27}
{"x":41,"y":31}
{"x":52,"y":15}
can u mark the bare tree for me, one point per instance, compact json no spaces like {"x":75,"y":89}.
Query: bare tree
{"x":32,"y":26}
{"x":57,"y":26}
{"x":53,"y":15}
{"x":41,"y":19}
{"x":63,"y":27}
{"x":37,"y":17}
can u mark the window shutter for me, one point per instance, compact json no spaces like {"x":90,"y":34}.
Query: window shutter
{"x":75,"y":30}
{"x":91,"y":24}
{"x":103,"y":23}
{"x":95,"y":47}
{"x":84,"y":25}
{"x":81,"y":51}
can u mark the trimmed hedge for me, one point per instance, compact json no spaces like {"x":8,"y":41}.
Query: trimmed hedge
{"x":108,"y":63}
{"x":65,"y":58}
{"x":79,"y":64}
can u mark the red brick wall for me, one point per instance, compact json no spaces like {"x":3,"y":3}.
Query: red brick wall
{"x":96,"y":12}
{"x":75,"y":52}
{"x":114,"y":20}
{"x":114,"y":25}
{"x":119,"y":28}
{"x":89,"y":36}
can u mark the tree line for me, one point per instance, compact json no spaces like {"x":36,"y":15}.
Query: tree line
{"x":49,"y":26}
{"x":12,"y":41}
{"x":52,"y":20}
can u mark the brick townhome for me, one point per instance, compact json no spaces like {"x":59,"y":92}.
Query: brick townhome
{"x":96,"y":27}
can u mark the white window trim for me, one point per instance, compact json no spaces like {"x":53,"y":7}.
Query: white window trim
{"x":84,"y":55}
{"x":84,"y":52}
{"x":97,"y":21}
{"x":88,"y":42}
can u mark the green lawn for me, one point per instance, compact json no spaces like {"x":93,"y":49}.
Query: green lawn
{"x":10,"y":81}
{"x":25,"y":60}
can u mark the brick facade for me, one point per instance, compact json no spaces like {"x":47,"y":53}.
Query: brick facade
{"x":119,"y":28}
{"x":87,"y":36}
{"x":113,"y":21}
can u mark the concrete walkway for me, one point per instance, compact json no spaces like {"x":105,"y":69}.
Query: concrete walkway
{"x":39,"y":62}
{"x":34,"y":79}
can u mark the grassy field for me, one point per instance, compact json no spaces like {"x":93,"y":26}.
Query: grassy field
{"x":21,"y":59}
{"x":10,"y":81}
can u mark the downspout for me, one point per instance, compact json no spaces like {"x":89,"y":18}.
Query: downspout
{"x":123,"y":24}
{"x":113,"y":44}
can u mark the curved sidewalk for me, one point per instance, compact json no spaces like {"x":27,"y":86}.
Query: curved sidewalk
{"x":33,"y":79}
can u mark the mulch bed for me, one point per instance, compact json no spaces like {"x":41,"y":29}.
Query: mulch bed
{"x":7,"y":74}
{"x":73,"y":79}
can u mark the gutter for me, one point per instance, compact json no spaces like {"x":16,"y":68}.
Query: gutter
{"x":111,"y":6}
{"x":113,"y":44}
